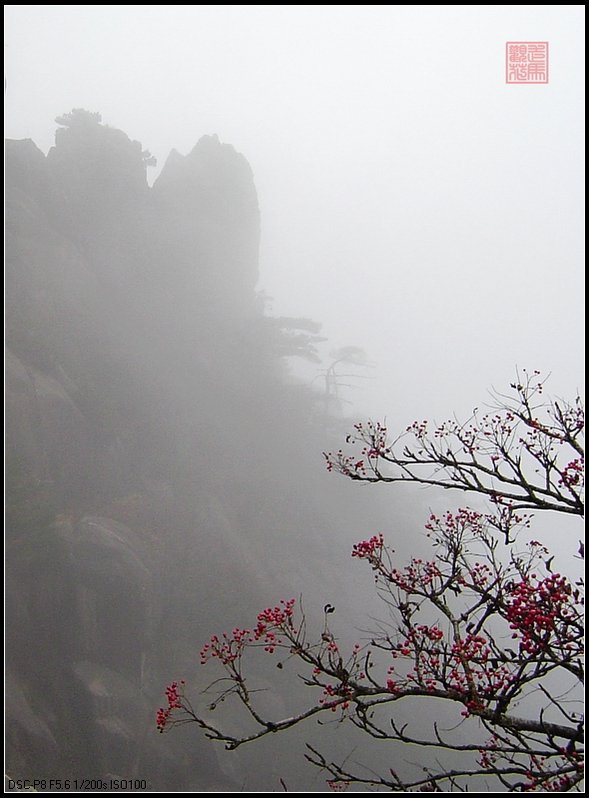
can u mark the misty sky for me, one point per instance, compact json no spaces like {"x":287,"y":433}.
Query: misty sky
{"x":411,"y":201}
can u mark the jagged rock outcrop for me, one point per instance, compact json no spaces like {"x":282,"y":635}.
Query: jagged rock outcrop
{"x":113,"y":290}
{"x":209,"y":198}
{"x":159,"y":473}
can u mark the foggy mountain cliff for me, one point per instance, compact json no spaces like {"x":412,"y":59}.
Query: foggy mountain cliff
{"x":164,"y":477}
{"x":363,"y":179}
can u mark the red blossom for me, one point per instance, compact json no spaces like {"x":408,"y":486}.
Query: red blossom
{"x":539,"y":613}
{"x":173,"y":694}
{"x":368,"y":549}
{"x":573,"y":473}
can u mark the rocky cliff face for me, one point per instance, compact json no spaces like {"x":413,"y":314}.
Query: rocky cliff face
{"x":159,"y":473}
{"x":101,"y":373}
{"x":209,"y":197}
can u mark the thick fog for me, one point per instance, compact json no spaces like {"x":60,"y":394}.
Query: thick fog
{"x":366,"y":168}
{"x":411,"y":201}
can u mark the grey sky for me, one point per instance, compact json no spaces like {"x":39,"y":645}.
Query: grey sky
{"x":411,"y":201}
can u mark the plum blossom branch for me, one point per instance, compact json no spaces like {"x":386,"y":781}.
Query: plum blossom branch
{"x":456,"y":659}
{"x":527,"y":454}
{"x":492,"y":636}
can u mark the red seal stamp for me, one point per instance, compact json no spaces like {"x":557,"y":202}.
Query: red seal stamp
{"x":526,"y":62}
